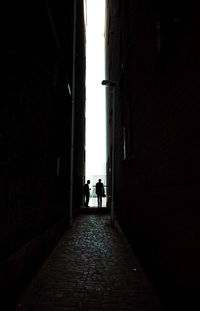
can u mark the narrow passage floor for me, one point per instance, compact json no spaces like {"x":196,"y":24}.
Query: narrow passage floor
{"x":92,"y":268}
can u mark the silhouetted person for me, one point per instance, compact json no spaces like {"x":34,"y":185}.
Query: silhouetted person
{"x":99,"y":192}
{"x":86,"y":192}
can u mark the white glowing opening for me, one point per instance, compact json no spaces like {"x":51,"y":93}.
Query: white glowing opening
{"x":95,"y":92}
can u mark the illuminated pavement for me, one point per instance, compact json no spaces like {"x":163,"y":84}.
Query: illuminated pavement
{"x":92,"y":268}
{"x":93,"y":202}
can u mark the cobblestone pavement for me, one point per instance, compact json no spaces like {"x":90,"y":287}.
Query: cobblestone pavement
{"x":93,"y":202}
{"x":92,"y":268}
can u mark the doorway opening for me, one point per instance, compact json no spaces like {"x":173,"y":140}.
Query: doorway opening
{"x":95,"y":166}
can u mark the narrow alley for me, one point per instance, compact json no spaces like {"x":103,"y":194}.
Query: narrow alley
{"x":54,"y":255}
{"x":92,"y":268}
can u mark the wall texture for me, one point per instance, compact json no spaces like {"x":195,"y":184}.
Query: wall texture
{"x":35,"y":135}
{"x":153,"y":55}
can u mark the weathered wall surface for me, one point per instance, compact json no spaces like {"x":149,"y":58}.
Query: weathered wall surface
{"x":35,"y":135}
{"x":153,"y":54}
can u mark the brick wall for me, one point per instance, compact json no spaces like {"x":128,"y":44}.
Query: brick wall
{"x":35,"y":136}
{"x":153,"y":55}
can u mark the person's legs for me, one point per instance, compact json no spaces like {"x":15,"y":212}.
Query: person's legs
{"x":100,"y":201}
{"x":87,"y":200}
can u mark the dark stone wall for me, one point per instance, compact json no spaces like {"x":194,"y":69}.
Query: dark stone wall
{"x":35,"y":135}
{"x":153,"y":54}
{"x":79,"y":148}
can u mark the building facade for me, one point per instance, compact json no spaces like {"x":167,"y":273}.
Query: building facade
{"x":36,"y":110}
{"x":152,"y":54}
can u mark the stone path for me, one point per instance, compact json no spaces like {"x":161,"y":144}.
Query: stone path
{"x":92,"y":268}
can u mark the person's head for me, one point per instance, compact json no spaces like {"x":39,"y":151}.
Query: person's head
{"x":99,"y":180}
{"x":88,"y":181}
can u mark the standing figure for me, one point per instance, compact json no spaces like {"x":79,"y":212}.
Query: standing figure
{"x":99,"y":192}
{"x":86,"y":193}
